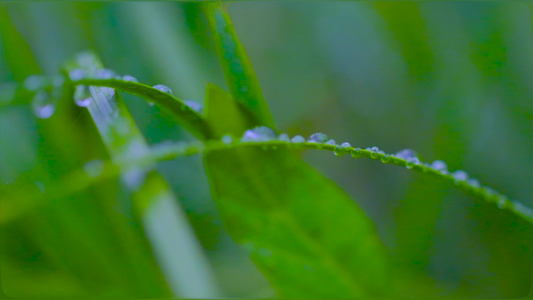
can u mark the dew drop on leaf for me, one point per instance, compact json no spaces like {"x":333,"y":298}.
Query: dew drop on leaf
{"x":227,"y":139}
{"x":342,"y":149}
{"x":284,"y":137}
{"x":331,"y":142}
{"x":406,"y":154}
{"x":298,"y":139}
{"x":356,"y":153}
{"x":502,"y":203}
{"x":42,"y":105}
{"x":129,"y":78}
{"x":197,"y":107}
{"x":385,"y":158}
{"x":82,"y":96}
{"x":474,"y":183}
{"x":163,"y":88}
{"x":460,"y":175}
{"x":261,"y":133}
{"x":317,"y":138}
{"x":77,"y":74}
{"x":35,"y":82}
{"x":104,"y":74}
{"x":439,"y":165}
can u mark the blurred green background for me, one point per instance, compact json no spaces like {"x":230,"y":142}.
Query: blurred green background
{"x":452,"y":80}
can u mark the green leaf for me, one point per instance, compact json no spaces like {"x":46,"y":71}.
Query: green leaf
{"x":220,"y":102}
{"x":305,"y":234}
{"x":287,"y":213}
{"x":154,"y":204}
{"x":184,"y":115}
{"x":238,"y":71}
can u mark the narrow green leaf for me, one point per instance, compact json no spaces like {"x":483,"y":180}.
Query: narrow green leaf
{"x":18,"y":54}
{"x":238,"y":71}
{"x":185,"y":116}
{"x":179,"y":252}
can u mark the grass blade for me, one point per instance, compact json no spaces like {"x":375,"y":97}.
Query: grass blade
{"x":238,"y":71}
{"x":187,"y":117}
{"x":179,"y":252}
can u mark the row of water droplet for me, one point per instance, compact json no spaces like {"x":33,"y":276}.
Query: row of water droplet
{"x":82,"y":96}
{"x":265,"y":134}
{"x":48,"y":90}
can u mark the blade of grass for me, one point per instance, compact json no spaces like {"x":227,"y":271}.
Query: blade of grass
{"x":179,"y":252}
{"x":238,"y":71}
{"x":276,"y":203}
{"x":83,"y":260}
{"x":187,"y":117}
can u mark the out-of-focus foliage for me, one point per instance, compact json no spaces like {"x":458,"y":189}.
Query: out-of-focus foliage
{"x":451,"y":80}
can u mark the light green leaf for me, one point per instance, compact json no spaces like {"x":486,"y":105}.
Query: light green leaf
{"x":178,"y":252}
{"x":305,"y":234}
{"x":238,"y":71}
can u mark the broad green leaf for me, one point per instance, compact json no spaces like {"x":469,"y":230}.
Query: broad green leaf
{"x":306,"y":235}
{"x":238,"y":71}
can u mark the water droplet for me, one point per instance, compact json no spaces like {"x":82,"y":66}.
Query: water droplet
{"x":342,"y":149}
{"x":105,"y":74}
{"x":134,"y":178}
{"x":42,"y":105}
{"x":129,"y":78}
{"x":151,"y":103}
{"x":490,"y":192}
{"x":163,"y":88}
{"x":298,"y":139}
{"x":317,"y":138}
{"x":502,"y":203}
{"x":356,"y":153}
{"x":460,"y":175}
{"x":94,"y":168}
{"x":257,"y":134}
{"x":197,"y":107}
{"x":35,"y":82}
{"x":385,"y":158}
{"x":82,"y":96}
{"x":284,"y":137}
{"x":439,"y":165}
{"x":331,"y":142}
{"x":77,"y":74}
{"x":406,"y":154}
{"x":474,"y":183}
{"x":372,"y":149}
{"x":227,"y":139}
